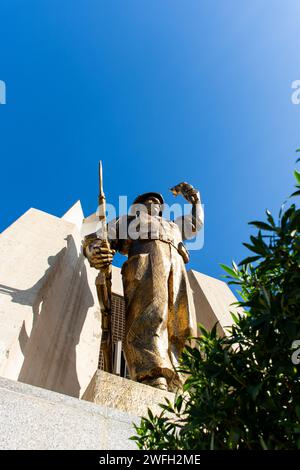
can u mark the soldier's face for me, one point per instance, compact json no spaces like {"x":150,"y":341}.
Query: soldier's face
{"x":153,"y":206}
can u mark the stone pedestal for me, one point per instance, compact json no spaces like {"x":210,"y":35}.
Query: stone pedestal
{"x":125,"y":395}
{"x":35,"y":418}
{"x":39,"y":419}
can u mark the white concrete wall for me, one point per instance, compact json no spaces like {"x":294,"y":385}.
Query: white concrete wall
{"x":212,"y":300}
{"x":49,"y":316}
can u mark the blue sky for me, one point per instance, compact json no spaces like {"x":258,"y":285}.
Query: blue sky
{"x":162,"y":92}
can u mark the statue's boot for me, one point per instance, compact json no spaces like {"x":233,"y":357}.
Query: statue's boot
{"x":157,"y":382}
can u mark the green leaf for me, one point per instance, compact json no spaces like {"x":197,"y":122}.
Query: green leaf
{"x":213,"y":332}
{"x":262,"y":443}
{"x":248,"y":260}
{"x":297,"y":176}
{"x":295,"y":221}
{"x":229,"y":271}
{"x":281,"y":209}
{"x":234,"y":317}
{"x":256,"y":249}
{"x":262,"y":225}
{"x":270,"y":218}
{"x":168,"y":408}
{"x":212,"y":441}
{"x":266,"y":295}
{"x":203,"y":331}
{"x":254,"y":390}
{"x":285,"y":217}
{"x":178,"y":402}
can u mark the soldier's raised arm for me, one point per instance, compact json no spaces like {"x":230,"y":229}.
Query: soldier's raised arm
{"x":191,"y":223}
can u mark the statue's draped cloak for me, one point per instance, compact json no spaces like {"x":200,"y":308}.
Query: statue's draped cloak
{"x":159,"y":315}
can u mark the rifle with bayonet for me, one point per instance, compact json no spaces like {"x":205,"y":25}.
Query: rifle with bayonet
{"x":103,"y":284}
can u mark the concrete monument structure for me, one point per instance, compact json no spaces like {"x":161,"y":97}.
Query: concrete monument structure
{"x":50,"y":332}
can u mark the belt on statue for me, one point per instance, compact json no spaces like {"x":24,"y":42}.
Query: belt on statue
{"x":181,"y":248}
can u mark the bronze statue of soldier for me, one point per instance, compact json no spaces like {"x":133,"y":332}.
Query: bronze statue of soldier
{"x":158,"y":317}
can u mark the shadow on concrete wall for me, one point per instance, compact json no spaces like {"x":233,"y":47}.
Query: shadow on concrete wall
{"x":34,"y":296}
{"x":60,"y":301}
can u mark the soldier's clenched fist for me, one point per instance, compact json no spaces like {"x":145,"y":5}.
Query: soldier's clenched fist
{"x":187,"y":191}
{"x":99,"y":254}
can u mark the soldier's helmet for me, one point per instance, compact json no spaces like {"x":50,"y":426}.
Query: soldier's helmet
{"x":143,"y":198}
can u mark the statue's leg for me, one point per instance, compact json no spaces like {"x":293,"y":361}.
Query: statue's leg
{"x":145,"y":280}
{"x":181,"y":321}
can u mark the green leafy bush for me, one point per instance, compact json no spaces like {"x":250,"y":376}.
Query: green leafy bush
{"x":243,"y":390}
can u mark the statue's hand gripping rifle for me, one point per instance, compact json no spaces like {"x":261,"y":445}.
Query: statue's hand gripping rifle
{"x":103,"y":284}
